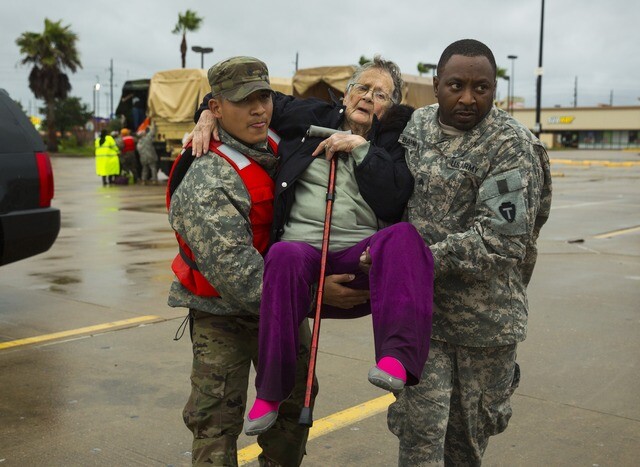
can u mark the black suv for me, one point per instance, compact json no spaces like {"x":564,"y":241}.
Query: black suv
{"x":28,"y":223}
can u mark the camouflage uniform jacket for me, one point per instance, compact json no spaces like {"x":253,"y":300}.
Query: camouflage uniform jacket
{"x":480,"y":200}
{"x":145,"y":147}
{"x":210,"y":210}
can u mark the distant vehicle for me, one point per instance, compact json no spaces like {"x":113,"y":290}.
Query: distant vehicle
{"x":170,"y":98}
{"x":174,"y":96}
{"x":28,"y":223}
{"x":138,"y":89}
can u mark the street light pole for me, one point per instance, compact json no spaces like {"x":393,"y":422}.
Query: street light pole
{"x":512,"y":82}
{"x":97,"y":97}
{"x":202,"y":51}
{"x":96,"y":100}
{"x":538,"y":129}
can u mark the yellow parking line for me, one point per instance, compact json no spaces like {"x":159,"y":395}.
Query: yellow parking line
{"x":595,"y":162}
{"x":77,"y":332}
{"x":330,"y":423}
{"x":615,"y":233}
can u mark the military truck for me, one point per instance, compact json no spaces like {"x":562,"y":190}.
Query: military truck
{"x":174,"y":96}
{"x":133,"y":91}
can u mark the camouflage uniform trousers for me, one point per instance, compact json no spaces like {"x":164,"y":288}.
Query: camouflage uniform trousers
{"x":223,"y":349}
{"x":462,"y":400}
{"x":128,"y":163}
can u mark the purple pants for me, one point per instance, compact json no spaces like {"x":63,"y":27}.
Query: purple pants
{"x":401,"y":285}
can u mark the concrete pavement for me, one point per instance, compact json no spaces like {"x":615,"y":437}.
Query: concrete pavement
{"x":114,"y":398}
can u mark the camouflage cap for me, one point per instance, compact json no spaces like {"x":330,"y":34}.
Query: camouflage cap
{"x":237,"y":77}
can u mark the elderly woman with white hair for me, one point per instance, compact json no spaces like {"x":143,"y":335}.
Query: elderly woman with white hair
{"x":373,"y":185}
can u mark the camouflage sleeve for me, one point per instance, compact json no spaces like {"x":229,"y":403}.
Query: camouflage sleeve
{"x":503,"y":226}
{"x":210,"y":210}
{"x":544,"y":211}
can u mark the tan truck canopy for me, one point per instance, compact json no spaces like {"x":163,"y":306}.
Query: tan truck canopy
{"x":282,"y":85}
{"x":315,"y":82}
{"x":174,"y":96}
{"x":418,"y":91}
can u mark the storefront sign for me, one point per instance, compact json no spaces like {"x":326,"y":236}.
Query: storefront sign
{"x":560,"y":120}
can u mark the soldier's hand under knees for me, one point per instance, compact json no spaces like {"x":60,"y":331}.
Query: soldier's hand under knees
{"x":339,"y":296}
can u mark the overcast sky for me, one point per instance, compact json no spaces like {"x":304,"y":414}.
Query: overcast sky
{"x":596,"y":41}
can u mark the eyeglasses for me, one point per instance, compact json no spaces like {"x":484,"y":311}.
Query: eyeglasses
{"x":362,"y":90}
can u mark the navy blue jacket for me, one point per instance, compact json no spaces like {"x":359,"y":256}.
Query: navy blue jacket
{"x":383,"y":176}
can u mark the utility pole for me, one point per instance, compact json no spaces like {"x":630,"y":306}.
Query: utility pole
{"x":97,"y":95}
{"x":296,"y":62}
{"x":512,"y":83}
{"x":538,"y":129}
{"x":575,"y":93}
{"x":111,"y":89}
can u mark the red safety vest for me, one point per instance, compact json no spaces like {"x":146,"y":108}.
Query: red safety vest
{"x":260,"y":187}
{"x":129,"y":143}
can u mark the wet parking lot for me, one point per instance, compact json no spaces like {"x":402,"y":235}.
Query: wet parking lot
{"x":90,"y":373}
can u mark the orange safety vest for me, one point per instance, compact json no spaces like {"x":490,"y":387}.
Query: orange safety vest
{"x":260,"y":187}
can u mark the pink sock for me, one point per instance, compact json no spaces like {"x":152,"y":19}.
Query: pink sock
{"x":261,"y":407}
{"x":393,"y":367}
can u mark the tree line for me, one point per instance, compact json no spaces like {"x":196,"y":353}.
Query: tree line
{"x":53,"y":53}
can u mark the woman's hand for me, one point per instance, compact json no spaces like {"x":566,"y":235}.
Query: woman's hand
{"x":339,"y":142}
{"x":206,"y":127}
{"x":365,"y":261}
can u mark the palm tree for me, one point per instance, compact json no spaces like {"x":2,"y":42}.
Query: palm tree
{"x":189,"y":21}
{"x":364,"y":60}
{"x":502,"y":73}
{"x":426,"y":68}
{"x":50,"y":53}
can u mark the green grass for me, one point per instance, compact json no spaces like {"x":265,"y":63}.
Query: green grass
{"x":73,"y":150}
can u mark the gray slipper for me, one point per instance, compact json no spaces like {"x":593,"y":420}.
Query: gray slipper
{"x":384,"y":380}
{"x":260,"y":424}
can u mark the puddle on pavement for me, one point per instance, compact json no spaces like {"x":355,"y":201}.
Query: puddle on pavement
{"x":147,"y":267}
{"x":148,"y":245}
{"x":55,"y":258}
{"x":64,"y":280}
{"x":152,"y":208}
{"x":57,"y":280}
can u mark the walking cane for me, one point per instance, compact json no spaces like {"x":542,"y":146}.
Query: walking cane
{"x":306,"y":417}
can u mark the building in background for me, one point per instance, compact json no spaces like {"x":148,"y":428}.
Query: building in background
{"x":585,"y":127}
